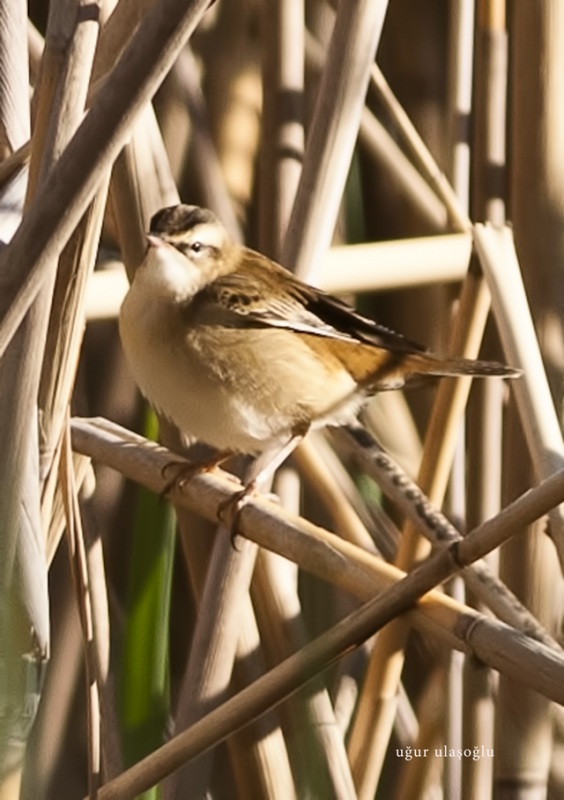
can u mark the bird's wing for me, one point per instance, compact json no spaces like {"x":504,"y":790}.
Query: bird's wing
{"x":267,"y":295}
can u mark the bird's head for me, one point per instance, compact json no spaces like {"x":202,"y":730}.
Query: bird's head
{"x":187,"y":247}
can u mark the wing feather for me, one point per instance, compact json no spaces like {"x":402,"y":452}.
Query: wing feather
{"x":267,"y":295}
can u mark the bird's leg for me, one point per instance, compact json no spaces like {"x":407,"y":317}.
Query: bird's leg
{"x":262,"y":468}
{"x":183,"y":472}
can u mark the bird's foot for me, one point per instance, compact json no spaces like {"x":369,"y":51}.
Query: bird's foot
{"x":229,"y":511}
{"x":183,"y":472}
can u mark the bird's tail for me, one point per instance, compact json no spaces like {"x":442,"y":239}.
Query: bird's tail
{"x":429,"y":364}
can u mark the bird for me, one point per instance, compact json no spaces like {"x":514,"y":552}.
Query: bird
{"x":243,"y":356}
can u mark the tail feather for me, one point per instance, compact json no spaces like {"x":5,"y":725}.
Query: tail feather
{"x":428,"y":364}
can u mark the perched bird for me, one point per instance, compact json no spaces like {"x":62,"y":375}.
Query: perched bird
{"x":243,"y":356}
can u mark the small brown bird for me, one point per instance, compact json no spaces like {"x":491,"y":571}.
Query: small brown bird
{"x":243,"y":356}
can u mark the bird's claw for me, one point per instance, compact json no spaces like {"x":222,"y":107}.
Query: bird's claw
{"x":229,"y":510}
{"x":185,"y":471}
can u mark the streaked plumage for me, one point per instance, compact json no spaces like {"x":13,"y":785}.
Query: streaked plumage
{"x":240,"y":354}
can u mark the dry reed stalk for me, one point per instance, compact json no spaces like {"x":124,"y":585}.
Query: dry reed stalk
{"x":364,"y":524}
{"x":486,"y":407}
{"x":322,"y":553}
{"x":14,"y":79}
{"x":141,"y":184}
{"x":205,"y":161}
{"x":282,"y":145}
{"x":308,"y":716}
{"x":461,"y":68}
{"x":14,"y":162}
{"x":383,"y":148}
{"x":83,"y":472}
{"x":61,"y":98}
{"x":24,"y":598}
{"x":424,"y":775}
{"x":538,"y":416}
{"x":62,"y":347}
{"x":118,"y":28}
{"x":35,"y":45}
{"x":56,"y":211}
{"x":524,"y":733}
{"x":231,"y":83}
{"x":288,"y":676}
{"x":64,"y":333}
{"x":371,"y":730}
{"x":282,"y":139}
{"x":332,"y":134}
{"x":476,"y":303}
{"x":377,"y":266}
{"x":311,"y":459}
{"x":420,"y":153}
{"x":260,"y":760}
{"x":214,"y":646}
{"x":439,"y":531}
{"x":54,"y":719}
{"x":79,"y":572}
{"x":478,"y":715}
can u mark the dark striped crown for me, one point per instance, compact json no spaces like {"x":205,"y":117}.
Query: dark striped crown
{"x":180,"y":218}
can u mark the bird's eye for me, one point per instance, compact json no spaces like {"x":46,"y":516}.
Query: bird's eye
{"x":196,"y":247}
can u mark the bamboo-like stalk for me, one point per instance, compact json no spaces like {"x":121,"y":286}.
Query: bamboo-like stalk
{"x":416,"y":777}
{"x":524,"y":735}
{"x":14,"y":79}
{"x":383,"y":148}
{"x":536,"y":408}
{"x":371,"y":730}
{"x":56,"y":211}
{"x":461,"y":69}
{"x":309,"y":715}
{"x":420,"y":152}
{"x":381,"y":145}
{"x":485,"y":422}
{"x":214,"y":645}
{"x":282,"y":145}
{"x":65,"y":670}
{"x":332,"y":134}
{"x":439,"y":531}
{"x":231,"y":83}
{"x":62,"y":346}
{"x":308,"y":718}
{"x":270,"y":527}
{"x":259,"y":755}
{"x":79,"y":571}
{"x":287,"y":677}
{"x":311,"y":458}
{"x":282,"y":141}
{"x":62,"y":95}
{"x":205,"y":161}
